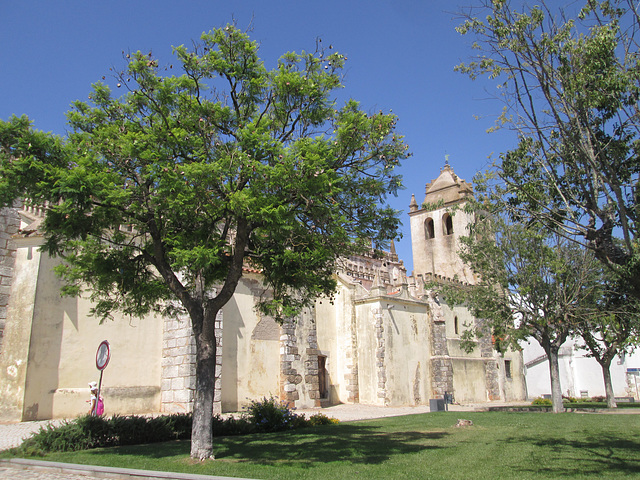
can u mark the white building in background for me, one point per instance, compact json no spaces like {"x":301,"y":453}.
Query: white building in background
{"x":580,"y":376}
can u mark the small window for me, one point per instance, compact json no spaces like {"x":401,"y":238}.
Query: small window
{"x":455,"y":325}
{"x":507,"y":368}
{"x":429,"y":231}
{"x":323,"y":377}
{"x":447,"y":223}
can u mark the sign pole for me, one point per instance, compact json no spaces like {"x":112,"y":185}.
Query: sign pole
{"x":102,"y":360}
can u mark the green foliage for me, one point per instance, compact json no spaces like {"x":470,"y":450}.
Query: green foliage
{"x":321,"y":419}
{"x":94,"y":432}
{"x":570,"y":83}
{"x":529,"y":446}
{"x":190,"y":172}
{"x":176,"y":182}
{"x":232,"y":426}
{"x":541,"y":401}
{"x":87,"y":432}
{"x":531,"y":282}
{"x":272,"y":415}
{"x":611,"y":323}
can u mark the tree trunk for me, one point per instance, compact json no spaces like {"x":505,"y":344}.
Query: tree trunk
{"x":556,"y":388}
{"x":204,"y":331}
{"x":608,"y":387}
{"x":201,"y":430}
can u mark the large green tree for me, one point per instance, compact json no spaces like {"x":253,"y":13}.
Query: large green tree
{"x":609,"y":326}
{"x":570,"y":82}
{"x":531,"y":283}
{"x":161,"y":194}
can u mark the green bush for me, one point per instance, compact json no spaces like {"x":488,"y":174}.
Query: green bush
{"x":542,"y":401}
{"x":272,"y":415}
{"x":69,"y":436}
{"x":321,"y":419}
{"x":232,"y":426}
{"x":93,"y":432}
{"x":266,"y":415}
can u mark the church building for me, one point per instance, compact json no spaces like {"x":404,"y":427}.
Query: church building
{"x":383,"y":339}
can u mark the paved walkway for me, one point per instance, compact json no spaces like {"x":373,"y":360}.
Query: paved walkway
{"x":12,"y":434}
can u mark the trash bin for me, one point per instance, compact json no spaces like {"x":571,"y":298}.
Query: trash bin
{"x":436,"y":405}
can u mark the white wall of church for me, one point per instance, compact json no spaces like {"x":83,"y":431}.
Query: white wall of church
{"x":393,"y":352}
{"x":407,"y":354}
{"x":368,"y":353}
{"x":17,"y":333}
{"x":250,"y":350}
{"x":61,"y":339}
{"x":334,"y":333}
{"x":469,"y":379}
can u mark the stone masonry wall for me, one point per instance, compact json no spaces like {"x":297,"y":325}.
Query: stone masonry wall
{"x":351,"y":376}
{"x":492,"y":374}
{"x":9,"y":225}
{"x":179,"y":365}
{"x":311,"y":369}
{"x":289,"y":375}
{"x":299,"y":372}
{"x":378,"y":319}
{"x":441,"y":364}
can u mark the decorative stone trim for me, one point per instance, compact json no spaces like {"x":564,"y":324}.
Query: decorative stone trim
{"x":217,"y":394}
{"x":492,"y":378}
{"x":9,"y":226}
{"x":378,"y":317}
{"x":492,"y":374}
{"x":311,"y":367}
{"x":441,"y":363}
{"x":351,"y":377}
{"x":289,"y":376}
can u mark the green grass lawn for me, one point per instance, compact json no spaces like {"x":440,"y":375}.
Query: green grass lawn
{"x":499,"y":445}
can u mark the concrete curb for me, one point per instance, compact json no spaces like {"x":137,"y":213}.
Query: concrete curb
{"x":95,"y":471}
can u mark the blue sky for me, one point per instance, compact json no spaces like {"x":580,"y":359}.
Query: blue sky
{"x":401,"y":56}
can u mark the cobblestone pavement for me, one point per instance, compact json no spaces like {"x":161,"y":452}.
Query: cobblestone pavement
{"x":38,"y":474}
{"x":12,"y":434}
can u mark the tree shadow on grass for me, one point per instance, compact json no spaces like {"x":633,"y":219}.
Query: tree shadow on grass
{"x":352,"y":443}
{"x":605,"y":455}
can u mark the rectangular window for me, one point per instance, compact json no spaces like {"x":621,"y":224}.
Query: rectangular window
{"x":323,"y":377}
{"x":507,"y":368}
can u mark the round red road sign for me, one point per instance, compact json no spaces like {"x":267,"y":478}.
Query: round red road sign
{"x":102,"y":355}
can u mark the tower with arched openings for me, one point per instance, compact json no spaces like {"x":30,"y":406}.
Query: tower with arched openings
{"x":437,"y":225}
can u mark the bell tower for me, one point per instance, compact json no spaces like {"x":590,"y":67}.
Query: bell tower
{"x":436,"y":226}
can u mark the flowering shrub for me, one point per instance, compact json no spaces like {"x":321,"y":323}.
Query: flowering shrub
{"x":321,"y":419}
{"x":272,"y":415}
